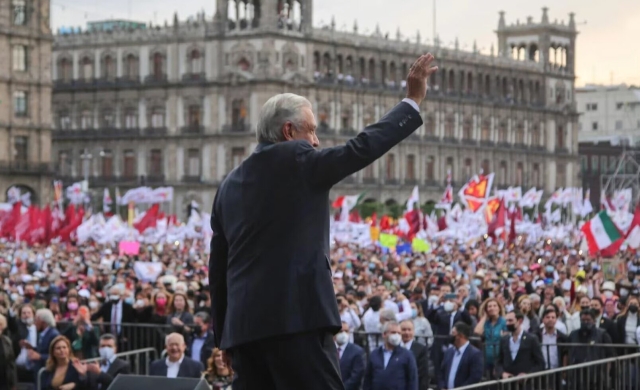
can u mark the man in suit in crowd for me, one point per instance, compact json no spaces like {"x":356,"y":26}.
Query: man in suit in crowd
{"x":391,"y":366}
{"x":101,"y":374}
{"x":352,"y":359}
{"x":555,"y":356}
{"x":602,"y":322}
{"x":176,"y":364}
{"x":420,"y":353}
{"x":519,"y":352}
{"x":24,"y":336}
{"x":46,"y":325}
{"x":270,"y":246}
{"x":202,"y":340}
{"x":115,"y":312}
{"x":462,"y":364}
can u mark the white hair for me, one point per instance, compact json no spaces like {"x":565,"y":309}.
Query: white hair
{"x":387,"y":325}
{"x":173,"y":335}
{"x":180,"y":286}
{"x":278,"y":110}
{"x":388,"y":315}
{"x":46,"y":316}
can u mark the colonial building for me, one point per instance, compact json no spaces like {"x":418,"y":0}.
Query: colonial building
{"x":25,"y":98}
{"x":178,"y":104}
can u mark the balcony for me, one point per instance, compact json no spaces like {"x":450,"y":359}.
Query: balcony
{"x":469,"y":141}
{"x":128,"y":178}
{"x":156,"y":79}
{"x":194,"y":78}
{"x":192,"y":129}
{"x":24,"y":168}
{"x":521,"y":146}
{"x":236,"y":128}
{"x":504,"y":144}
{"x":390,"y":181}
{"x":348,"y":132}
{"x":431,"y":183}
{"x":128,"y":81}
{"x":450,"y":140}
{"x":152,"y":179}
{"x":431,"y":138}
{"x":155,"y":131}
{"x":191,"y":179}
{"x":562,"y":150}
{"x":113,"y":132}
{"x":487,"y":143}
{"x":411,"y":182}
{"x":369,"y":180}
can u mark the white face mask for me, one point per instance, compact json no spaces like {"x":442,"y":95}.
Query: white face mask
{"x":106,"y":353}
{"x":114,"y":298}
{"x":28,"y":321}
{"x":342,"y":338}
{"x":624,"y":292}
{"x":448,"y":306}
{"x":394,"y":339}
{"x":93,"y":304}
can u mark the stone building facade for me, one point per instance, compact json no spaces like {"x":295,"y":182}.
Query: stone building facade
{"x":25,"y":98}
{"x":178,"y":104}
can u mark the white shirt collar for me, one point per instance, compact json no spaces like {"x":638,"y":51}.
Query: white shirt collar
{"x":463,"y":348}
{"x":170,"y":363}
{"x":409,"y":344}
{"x":554,"y":333}
{"x":519,"y":335}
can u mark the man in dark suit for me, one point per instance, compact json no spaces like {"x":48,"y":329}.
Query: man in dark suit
{"x":176,"y":364}
{"x":272,"y":295}
{"x":519,"y":352}
{"x":420,"y":353}
{"x":115,"y":312}
{"x":391,"y":366}
{"x":202,"y":341}
{"x":602,"y":322}
{"x":46,"y":325}
{"x":462,"y":364}
{"x":24,"y":336}
{"x":555,"y":356}
{"x":352,"y":359}
{"x":101,"y":375}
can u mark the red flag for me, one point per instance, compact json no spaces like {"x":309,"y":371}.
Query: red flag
{"x":374,"y":219}
{"x":67,"y":233}
{"x":354,"y":217}
{"x":149,"y":220}
{"x":20,"y":232}
{"x":498,"y":221}
{"x":442,"y":223}
{"x":413,"y":219}
{"x":512,"y":231}
{"x":46,"y":224}
{"x":9,"y":224}
{"x":384,"y":223}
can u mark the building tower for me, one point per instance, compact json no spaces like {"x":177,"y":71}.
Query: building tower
{"x":25,"y":99}
{"x":265,"y":15}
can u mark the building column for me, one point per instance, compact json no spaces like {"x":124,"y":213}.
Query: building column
{"x":119,"y":60}
{"x":96,"y":68}
{"x":206,"y":162}
{"x":180,"y":163}
{"x":206,"y":114}
{"x":179,"y":113}
{"x":75,"y":65}
{"x":144,"y":62}
{"x":550,"y":180}
{"x":551,"y":137}
{"x":254,"y":110}
{"x":222,"y":112}
{"x":141,"y":161}
{"x":142,"y":114}
{"x":221,"y":162}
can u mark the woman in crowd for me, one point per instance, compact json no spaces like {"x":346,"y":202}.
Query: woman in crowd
{"x":62,"y":370}
{"x":218,"y":374}
{"x":156,"y":312}
{"x":94,"y":304}
{"x":627,"y":324}
{"x":180,"y":316}
{"x":531,"y":322}
{"x":491,"y":327}
{"x":72,"y":306}
{"x":423,"y":331}
{"x":584,"y":303}
{"x":8,"y":372}
{"x":610,"y":309}
{"x":83,"y":337}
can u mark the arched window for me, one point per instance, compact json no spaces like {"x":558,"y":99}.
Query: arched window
{"x":131,"y":69}
{"x":158,"y":66}
{"x":87,"y":69}
{"x":65,"y":70}
{"x":195,"y":62}
{"x":108,"y":68}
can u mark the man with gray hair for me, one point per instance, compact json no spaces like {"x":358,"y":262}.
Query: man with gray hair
{"x":272,"y":296}
{"x":46,"y":326}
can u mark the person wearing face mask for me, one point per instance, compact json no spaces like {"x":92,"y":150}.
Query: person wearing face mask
{"x":101,"y":374}
{"x":460,"y":366}
{"x":116,"y":312}
{"x":82,"y":335}
{"x":584,"y":303}
{"x":601,"y":321}
{"x":24,"y":338}
{"x":420,"y":353}
{"x":201,"y":341}
{"x":424,"y":333}
{"x":628,"y":322}
{"x":352,"y":358}
{"x":519,"y":352}
{"x":590,"y":337}
{"x":391,"y":366}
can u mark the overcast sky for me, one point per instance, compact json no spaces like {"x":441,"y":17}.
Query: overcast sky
{"x":607,"y":47}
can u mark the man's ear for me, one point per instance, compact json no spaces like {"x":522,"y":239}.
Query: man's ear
{"x":287,"y":131}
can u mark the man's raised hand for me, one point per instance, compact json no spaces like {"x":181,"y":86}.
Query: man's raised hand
{"x":419,"y":73}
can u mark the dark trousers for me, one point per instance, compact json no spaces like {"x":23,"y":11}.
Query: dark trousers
{"x":291,"y":362}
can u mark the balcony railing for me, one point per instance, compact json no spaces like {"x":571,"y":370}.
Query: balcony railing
{"x":487,"y":143}
{"x":411,"y":182}
{"x":450,"y":140}
{"x":155,"y":131}
{"x":192,"y":129}
{"x":391,"y":181}
{"x":562,"y":150}
{"x":236,"y":128}
{"x":194,"y":77}
{"x":369,"y":180}
{"x":431,"y":138}
{"x":469,"y":141}
{"x":191,"y":179}
{"x":152,"y":179}
{"x":348,"y":132}
{"x":24,"y":167}
{"x":156,"y":79}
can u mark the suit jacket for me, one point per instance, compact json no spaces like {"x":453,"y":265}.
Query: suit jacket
{"x":72,"y":376}
{"x":44,"y":341}
{"x":561,"y":338}
{"x":271,"y":216}
{"x":440,"y":321}
{"x":610,"y":327}
{"x":469,"y":369}
{"x":421,"y":354}
{"x":619,"y":333}
{"x":352,"y":366}
{"x":401,"y":372}
{"x":207,"y":347}
{"x":104,"y":379}
{"x":189,"y":368}
{"x":128,"y":314}
{"x":529,"y":358}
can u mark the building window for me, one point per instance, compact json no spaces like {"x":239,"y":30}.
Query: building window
{"x":430,"y":168}
{"x":520,"y":135}
{"x":155,"y":163}
{"x":604,"y":167}
{"x":466,"y":130}
{"x":131,"y":68}
{"x":411,"y":167}
{"x":503,"y":137}
{"x":107,"y":163}
{"x":19,"y":12}
{"x":20,"y":53}
{"x":536,"y":175}
{"x":467,"y":168}
{"x":345,"y":120}
{"x":237,"y":155}
{"x":561,"y":175}
{"x":193,"y":119}
{"x":503,"y":173}
{"x":535,"y":136}
{"x":108,"y":68}
{"x":448,"y":167}
{"x":613,"y":163}
{"x":449,"y":129}
{"x":87,"y":69}
{"x":21,"y":149}
{"x":618,"y":125}
{"x":485,"y":131}
{"x":108,"y":120}
{"x":238,"y":114}
{"x":129,"y":163}
{"x":584,"y":164}
{"x":430,"y":126}
{"x":20,"y":103}
{"x":619,"y":106}
{"x":86,"y":120}
{"x":391,"y":167}
{"x":592,"y":106}
{"x":64,"y":164}
{"x":595,"y":164}
{"x":368,"y":173}
{"x":193,"y":162}
{"x":560,"y":137}
{"x":65,"y":70}
{"x":195,"y":62}
{"x":64,"y":120}
{"x":519,"y":174}
{"x":130,"y":119}
{"x":486,"y":167}
{"x":594,"y":126}
{"x":158,"y":66}
{"x":157,"y":118}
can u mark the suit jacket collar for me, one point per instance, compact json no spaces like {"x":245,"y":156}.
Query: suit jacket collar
{"x":262,"y":145}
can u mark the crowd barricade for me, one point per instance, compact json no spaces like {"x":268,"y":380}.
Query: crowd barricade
{"x":138,"y":359}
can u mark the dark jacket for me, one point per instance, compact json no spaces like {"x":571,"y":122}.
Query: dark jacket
{"x":43,"y":347}
{"x":278,"y":201}
{"x":352,"y":366}
{"x":8,"y":371}
{"x":72,"y":376}
{"x":207,"y":347}
{"x":85,"y":347}
{"x":590,"y":352}
{"x":469,"y":369}
{"x":529,"y":358}
{"x":401,"y":372}
{"x":421,"y":354}
{"x":609,"y":326}
{"x":185,"y":317}
{"x":563,"y":351}
{"x":128,"y":315}
{"x":620,"y":332}
{"x":104,"y":379}
{"x":189,"y":368}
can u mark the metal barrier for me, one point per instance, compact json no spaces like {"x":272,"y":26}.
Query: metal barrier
{"x":618,"y":373}
{"x":138,"y":359}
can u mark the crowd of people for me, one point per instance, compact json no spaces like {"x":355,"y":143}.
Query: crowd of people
{"x":410,"y":321}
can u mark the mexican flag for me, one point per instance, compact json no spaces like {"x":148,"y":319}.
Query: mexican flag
{"x":602,"y":235}
{"x":347,"y":203}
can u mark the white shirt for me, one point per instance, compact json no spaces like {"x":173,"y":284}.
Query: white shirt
{"x":173,"y":367}
{"x":371,"y":321}
{"x":350,"y":317}
{"x":408,"y":345}
{"x":116,"y":310}
{"x":514,"y":346}
{"x":550,"y":349}
{"x":457,"y":356}
{"x":32,"y":338}
{"x":387,"y":356}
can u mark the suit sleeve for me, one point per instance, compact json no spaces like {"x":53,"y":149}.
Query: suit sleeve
{"x":475,"y":372}
{"x":538,"y":359}
{"x":423,"y":369}
{"x":218,"y":275}
{"x":326,"y":167}
{"x":442,"y":378}
{"x":499,"y":364}
{"x":412,"y":374}
{"x":357,"y":372}
{"x":368,"y":376}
